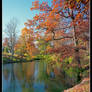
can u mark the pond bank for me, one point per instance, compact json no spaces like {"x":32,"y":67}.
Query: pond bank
{"x":84,"y":86}
{"x":9,"y":59}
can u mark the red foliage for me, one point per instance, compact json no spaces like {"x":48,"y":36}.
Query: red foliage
{"x":64,"y":20}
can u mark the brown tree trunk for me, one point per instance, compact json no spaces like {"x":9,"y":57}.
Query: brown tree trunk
{"x":77,"y":57}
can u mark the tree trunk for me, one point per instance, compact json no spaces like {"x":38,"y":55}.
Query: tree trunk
{"x":77,"y":57}
{"x":12,"y":51}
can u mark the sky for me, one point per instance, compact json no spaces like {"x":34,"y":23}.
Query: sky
{"x":19,"y":9}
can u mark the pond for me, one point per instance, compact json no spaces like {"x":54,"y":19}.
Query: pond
{"x":30,"y":77}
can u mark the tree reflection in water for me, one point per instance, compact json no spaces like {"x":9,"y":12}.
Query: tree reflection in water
{"x":30,"y":77}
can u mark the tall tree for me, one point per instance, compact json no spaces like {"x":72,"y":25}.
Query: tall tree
{"x":65,"y":20}
{"x":12,"y":34}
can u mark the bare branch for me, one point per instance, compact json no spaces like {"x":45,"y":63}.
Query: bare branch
{"x":61,"y":37}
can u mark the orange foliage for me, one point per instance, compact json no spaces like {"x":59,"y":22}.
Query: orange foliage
{"x":26,"y":41}
{"x":48,"y":39}
{"x":5,"y":43}
{"x":61,"y":20}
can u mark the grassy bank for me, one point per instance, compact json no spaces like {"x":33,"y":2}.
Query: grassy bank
{"x":7,"y":58}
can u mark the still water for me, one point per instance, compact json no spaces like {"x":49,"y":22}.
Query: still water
{"x":29,"y":77}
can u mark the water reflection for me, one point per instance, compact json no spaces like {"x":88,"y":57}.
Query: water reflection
{"x":30,"y":77}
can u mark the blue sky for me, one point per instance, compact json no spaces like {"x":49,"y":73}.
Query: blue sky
{"x":19,"y":9}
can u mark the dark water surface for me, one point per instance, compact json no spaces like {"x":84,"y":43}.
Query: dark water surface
{"x":29,"y":77}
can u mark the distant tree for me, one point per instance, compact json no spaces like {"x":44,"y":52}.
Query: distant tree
{"x":5,"y":45}
{"x":12,"y":33}
{"x":25,"y":43}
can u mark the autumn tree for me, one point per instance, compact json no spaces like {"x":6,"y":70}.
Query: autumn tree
{"x":64,"y":20}
{"x":20,"y":47}
{"x":5,"y":45}
{"x":26,"y":42}
{"x":5,"y":42}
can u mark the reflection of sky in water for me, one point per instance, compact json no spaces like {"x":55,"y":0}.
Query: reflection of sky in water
{"x":36,"y":70}
{"x":39,"y":87}
{"x":5,"y":82}
{"x":9,"y":87}
{"x":12,"y":84}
